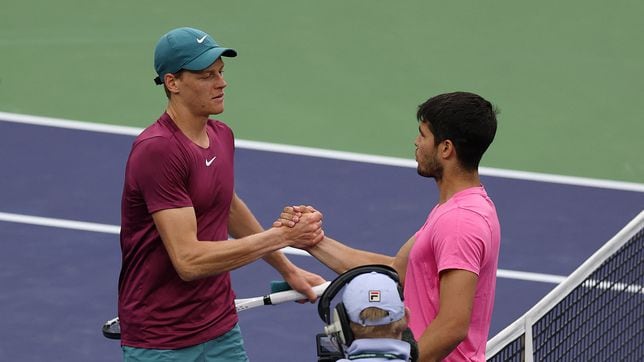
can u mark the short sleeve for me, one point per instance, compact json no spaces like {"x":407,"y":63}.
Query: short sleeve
{"x":461,"y":241}
{"x":159,"y":170}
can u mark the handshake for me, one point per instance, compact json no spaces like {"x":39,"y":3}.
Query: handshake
{"x":301,"y":226}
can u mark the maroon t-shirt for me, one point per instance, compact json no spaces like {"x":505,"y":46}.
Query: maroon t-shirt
{"x":166,"y":170}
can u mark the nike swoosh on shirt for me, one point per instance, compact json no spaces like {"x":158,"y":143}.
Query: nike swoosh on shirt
{"x":210,"y":161}
{"x":202,"y":39}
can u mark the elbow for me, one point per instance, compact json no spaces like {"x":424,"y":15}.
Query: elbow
{"x":187,"y":267}
{"x":192,"y":263}
{"x":454,"y":332}
{"x":460,"y":336}
{"x":191,"y":268}
{"x":186,"y":272}
{"x":459,"y":333}
{"x":188,"y":277}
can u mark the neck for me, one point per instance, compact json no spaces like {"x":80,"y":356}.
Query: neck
{"x":190,"y":124}
{"x":456,"y":181}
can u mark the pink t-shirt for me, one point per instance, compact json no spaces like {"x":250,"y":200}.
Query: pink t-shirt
{"x":166,"y":170}
{"x":463,"y":233}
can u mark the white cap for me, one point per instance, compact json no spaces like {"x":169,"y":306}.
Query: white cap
{"x":373,"y":290}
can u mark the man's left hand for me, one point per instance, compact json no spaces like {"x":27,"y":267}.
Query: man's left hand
{"x":302,"y":281}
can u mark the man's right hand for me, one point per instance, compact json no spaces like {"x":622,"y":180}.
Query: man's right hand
{"x":292,"y":214}
{"x":303,"y":229}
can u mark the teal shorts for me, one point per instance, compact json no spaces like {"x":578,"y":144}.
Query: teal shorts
{"x":229,"y":347}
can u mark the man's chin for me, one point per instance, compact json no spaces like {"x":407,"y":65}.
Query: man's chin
{"x":429,"y":174}
{"x":423,"y":173}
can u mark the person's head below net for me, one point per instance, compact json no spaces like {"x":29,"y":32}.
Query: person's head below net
{"x":374,"y":307}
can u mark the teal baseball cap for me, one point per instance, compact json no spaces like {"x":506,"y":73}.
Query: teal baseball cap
{"x":186,"y":48}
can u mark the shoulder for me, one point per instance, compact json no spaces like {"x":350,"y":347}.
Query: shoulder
{"x":156,"y":145}
{"x":159,"y":133}
{"x":219,"y":126}
{"x":473,"y":203}
{"x":460,"y":219}
{"x":221,"y":134}
{"x":157,"y":149}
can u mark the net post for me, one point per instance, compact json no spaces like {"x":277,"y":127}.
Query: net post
{"x":527,"y":340}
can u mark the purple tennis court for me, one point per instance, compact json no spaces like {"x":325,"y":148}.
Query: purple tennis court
{"x":60,"y":209}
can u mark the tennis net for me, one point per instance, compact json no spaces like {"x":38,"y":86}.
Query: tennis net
{"x":596,"y":314}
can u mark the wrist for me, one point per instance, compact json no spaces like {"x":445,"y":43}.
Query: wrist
{"x":286,"y":269}
{"x":279,"y":235}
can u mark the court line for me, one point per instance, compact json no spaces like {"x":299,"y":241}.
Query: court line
{"x":115,"y":229}
{"x":331,"y":154}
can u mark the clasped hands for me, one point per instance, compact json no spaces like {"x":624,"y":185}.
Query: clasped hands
{"x":302,"y":226}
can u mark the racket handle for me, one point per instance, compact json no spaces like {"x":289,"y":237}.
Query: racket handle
{"x":319,"y":289}
{"x":279,"y":286}
{"x":291,"y":295}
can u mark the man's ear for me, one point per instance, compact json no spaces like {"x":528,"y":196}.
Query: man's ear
{"x":170,"y":81}
{"x":407,"y":314}
{"x":446,"y":149}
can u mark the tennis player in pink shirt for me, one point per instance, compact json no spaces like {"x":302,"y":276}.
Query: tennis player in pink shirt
{"x":448,"y":266}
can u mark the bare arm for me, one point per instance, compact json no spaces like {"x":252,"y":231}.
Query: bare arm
{"x":243,"y":223}
{"x":194,"y":259}
{"x":402,"y":258}
{"x":449,"y":328}
{"x":340,"y":257}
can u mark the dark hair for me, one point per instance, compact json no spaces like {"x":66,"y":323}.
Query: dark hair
{"x":466,"y":119}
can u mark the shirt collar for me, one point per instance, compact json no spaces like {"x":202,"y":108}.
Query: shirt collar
{"x":385,"y":345}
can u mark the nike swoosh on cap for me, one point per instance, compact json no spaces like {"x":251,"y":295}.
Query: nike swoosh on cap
{"x":202,"y":39}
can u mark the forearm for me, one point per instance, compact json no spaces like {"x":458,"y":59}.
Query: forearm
{"x":439,"y":340}
{"x":202,"y":259}
{"x":340,"y":258}
{"x":243,"y":223}
{"x":279,"y":262}
{"x":450,"y":327}
{"x":193,"y":259}
{"x":251,"y":226}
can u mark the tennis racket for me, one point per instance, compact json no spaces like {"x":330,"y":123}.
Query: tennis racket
{"x":112,"y":328}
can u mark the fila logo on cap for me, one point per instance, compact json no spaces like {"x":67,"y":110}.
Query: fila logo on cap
{"x":374,"y":296}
